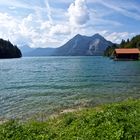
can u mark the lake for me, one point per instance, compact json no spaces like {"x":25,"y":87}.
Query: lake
{"x":47,"y":84}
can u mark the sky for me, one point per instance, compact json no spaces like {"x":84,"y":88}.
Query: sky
{"x":51,"y":23}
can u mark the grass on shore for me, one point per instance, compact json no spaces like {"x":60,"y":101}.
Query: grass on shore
{"x":116,"y":121}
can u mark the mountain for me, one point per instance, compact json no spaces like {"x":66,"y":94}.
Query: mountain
{"x":25,"y":49}
{"x":78,"y":46}
{"x":41,"y":52}
{"x":8,"y":50}
{"x":84,"y":46}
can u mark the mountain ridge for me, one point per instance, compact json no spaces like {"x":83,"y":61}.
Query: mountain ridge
{"x":79,"y":45}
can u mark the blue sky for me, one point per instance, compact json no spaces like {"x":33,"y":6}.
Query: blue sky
{"x":50,"y":23}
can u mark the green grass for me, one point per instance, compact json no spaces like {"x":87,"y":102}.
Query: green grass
{"x":116,"y":121}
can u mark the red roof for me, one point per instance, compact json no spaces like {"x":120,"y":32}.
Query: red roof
{"x":128,"y":51}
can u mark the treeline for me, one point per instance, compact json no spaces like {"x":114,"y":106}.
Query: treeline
{"x":8,"y":50}
{"x":133,"y":43}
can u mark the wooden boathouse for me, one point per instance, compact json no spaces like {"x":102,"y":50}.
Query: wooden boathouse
{"x":127,"y":54}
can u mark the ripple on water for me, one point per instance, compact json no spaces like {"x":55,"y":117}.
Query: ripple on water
{"x":47,"y":84}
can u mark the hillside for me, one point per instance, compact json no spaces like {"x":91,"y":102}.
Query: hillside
{"x":117,"y":121}
{"x":133,"y":43}
{"x":8,"y":50}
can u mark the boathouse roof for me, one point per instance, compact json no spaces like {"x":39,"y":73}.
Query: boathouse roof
{"x":127,"y":51}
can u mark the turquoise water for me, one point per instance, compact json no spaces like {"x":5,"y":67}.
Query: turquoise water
{"x":48,"y":84}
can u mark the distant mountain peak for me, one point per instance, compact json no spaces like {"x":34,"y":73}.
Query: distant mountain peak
{"x":97,"y":35}
{"x":78,"y":36}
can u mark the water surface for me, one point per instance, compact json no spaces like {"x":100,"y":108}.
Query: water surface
{"x":46,"y":84}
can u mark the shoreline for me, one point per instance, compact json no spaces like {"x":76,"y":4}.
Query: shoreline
{"x":109,"y":121}
{"x":42,"y":117}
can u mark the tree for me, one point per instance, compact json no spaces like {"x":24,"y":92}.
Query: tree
{"x":123,"y":43}
{"x":8,"y":50}
{"x":110,"y":50}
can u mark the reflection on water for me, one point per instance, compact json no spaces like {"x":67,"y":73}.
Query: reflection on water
{"x":46,"y":84}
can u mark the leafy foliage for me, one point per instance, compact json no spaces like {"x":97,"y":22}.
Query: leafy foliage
{"x":110,"y":50}
{"x":134,"y":43}
{"x":8,"y":50}
{"x":117,"y":121}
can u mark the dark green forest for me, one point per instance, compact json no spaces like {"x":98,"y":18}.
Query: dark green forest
{"x":8,"y":50}
{"x":133,"y":43}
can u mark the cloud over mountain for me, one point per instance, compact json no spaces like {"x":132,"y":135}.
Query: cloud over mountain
{"x":78,"y":12}
{"x":50,"y":23}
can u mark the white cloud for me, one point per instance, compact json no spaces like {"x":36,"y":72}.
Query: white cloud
{"x":38,"y":33}
{"x":116,"y":37}
{"x":8,"y":25}
{"x":14,"y":3}
{"x":48,"y":11}
{"x":78,"y":12}
{"x":125,"y":8}
{"x":60,"y":29}
{"x":46,"y":26}
{"x":31,"y":30}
